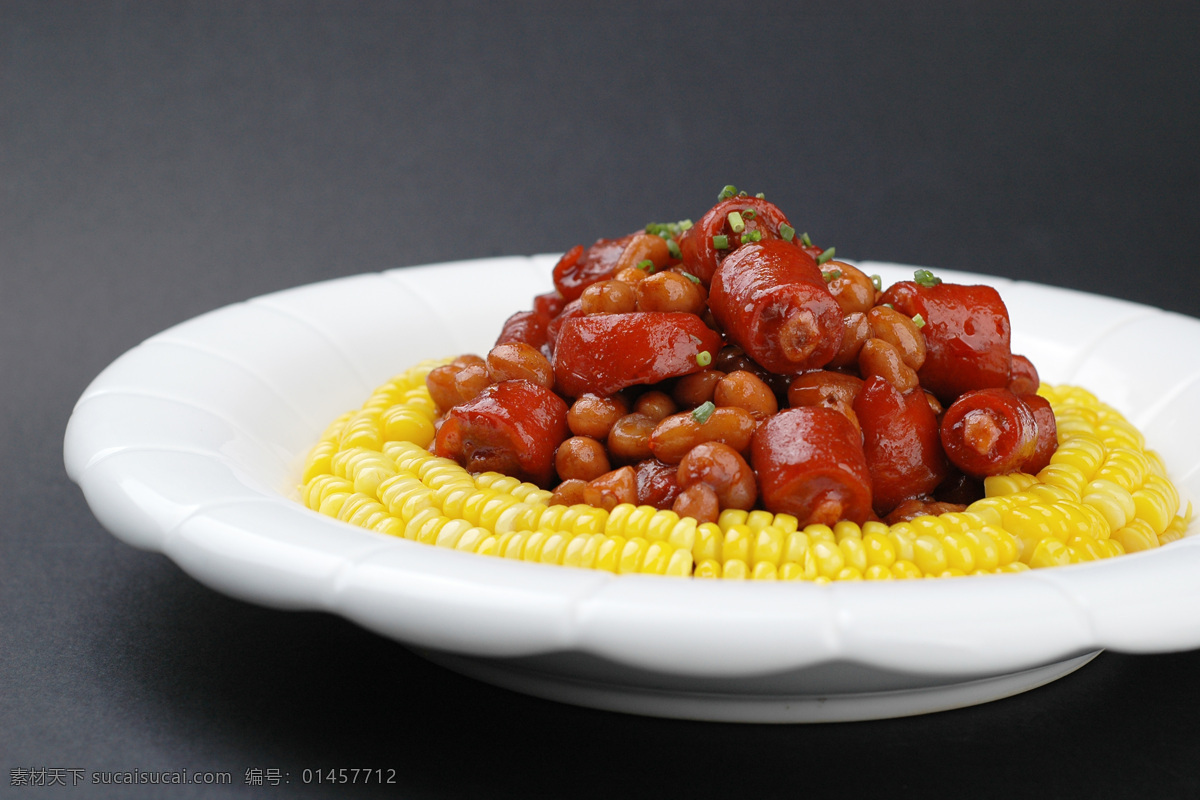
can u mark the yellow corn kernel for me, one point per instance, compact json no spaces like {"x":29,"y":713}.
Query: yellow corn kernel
{"x":902,"y":540}
{"x":632,"y":555}
{"x":1114,"y":502}
{"x":708,"y":568}
{"x":1001,"y":485}
{"x":879,"y":550}
{"x":929,"y":555}
{"x":656,"y":558}
{"x":960,"y":552}
{"x":854,"y":555}
{"x":828,"y":556}
{"x":1050,"y":552}
{"x":534,"y":542}
{"x":331,"y":503}
{"x":1151,"y":506}
{"x":680,"y":564}
{"x":683,"y":534}
{"x":1136,"y":536}
{"x":406,"y":424}
{"x":450,"y":532}
{"x":848,"y":573}
{"x":795,"y":545}
{"x":905,"y":569}
{"x":984,"y":547}
{"x":763,"y":571}
{"x":555,"y":548}
{"x":609,"y":553}
{"x":786,"y":523}
{"x":660,"y":525}
{"x":362,"y":430}
{"x":1064,"y":476}
{"x":735,"y":570}
{"x":877,"y":572}
{"x":768,"y":546}
{"x":847,"y":529}
{"x":512,"y":544}
{"x":618,"y":519}
{"x":318,"y":461}
{"x":710,"y":540}
{"x":791,"y":571}
{"x":738,"y":543}
{"x":388,"y":525}
{"x":732,"y":516}
{"x":821,"y":532}
{"x":471,"y":539}
{"x":581,"y":551}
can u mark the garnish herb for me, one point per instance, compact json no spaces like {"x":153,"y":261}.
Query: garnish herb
{"x":825,"y":256}
{"x":673,"y":249}
{"x":703,"y":411}
{"x":751,"y":236}
{"x":721,"y":241}
{"x":832,"y":275}
{"x":728,"y":192}
{"x":704,"y":358}
{"x":735,"y":222}
{"x":926,"y":278}
{"x":647,"y":265}
{"x":877,"y":282}
{"x":787,"y":232}
{"x":919,"y":321}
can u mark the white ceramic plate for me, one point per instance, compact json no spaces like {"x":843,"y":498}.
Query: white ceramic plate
{"x":191,"y":445}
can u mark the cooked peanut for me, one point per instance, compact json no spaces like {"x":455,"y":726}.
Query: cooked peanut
{"x":855,"y":331}
{"x":722,"y":469}
{"x":821,"y":387}
{"x":699,"y":502}
{"x":850,"y":286}
{"x":670,"y":291}
{"x":629,"y":439}
{"x":675,"y":435}
{"x":593,"y":415}
{"x":881,"y":358}
{"x":519,"y":361}
{"x":899,"y":331}
{"x":608,"y":297}
{"x":644,"y":247}
{"x":697,"y":388}
{"x":581,"y":457}
{"x":471,"y":380}
{"x":746,"y":390}
{"x":568,"y":493}
{"x":655,"y":404}
{"x":612,"y":488}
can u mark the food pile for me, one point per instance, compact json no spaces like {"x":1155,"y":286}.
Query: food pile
{"x":727,"y":399}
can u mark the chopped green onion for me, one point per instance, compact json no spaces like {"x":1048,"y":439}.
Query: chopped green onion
{"x":743,"y":194}
{"x":832,"y":275}
{"x":705,"y":410}
{"x":685,"y":224}
{"x":728,"y":192}
{"x":877,"y":282}
{"x":646,"y":264}
{"x":787,"y":232}
{"x":919,"y":321}
{"x":761,"y":196}
{"x":721,"y":241}
{"x":926,"y":278}
{"x":673,"y":248}
{"x":749,"y":213}
{"x":690,"y":277}
{"x":751,"y":236}
{"x":825,"y":256}
{"x":804,"y":240}
{"x":735,"y":222}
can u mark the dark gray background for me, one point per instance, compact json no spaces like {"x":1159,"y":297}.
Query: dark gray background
{"x":158,"y":160}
